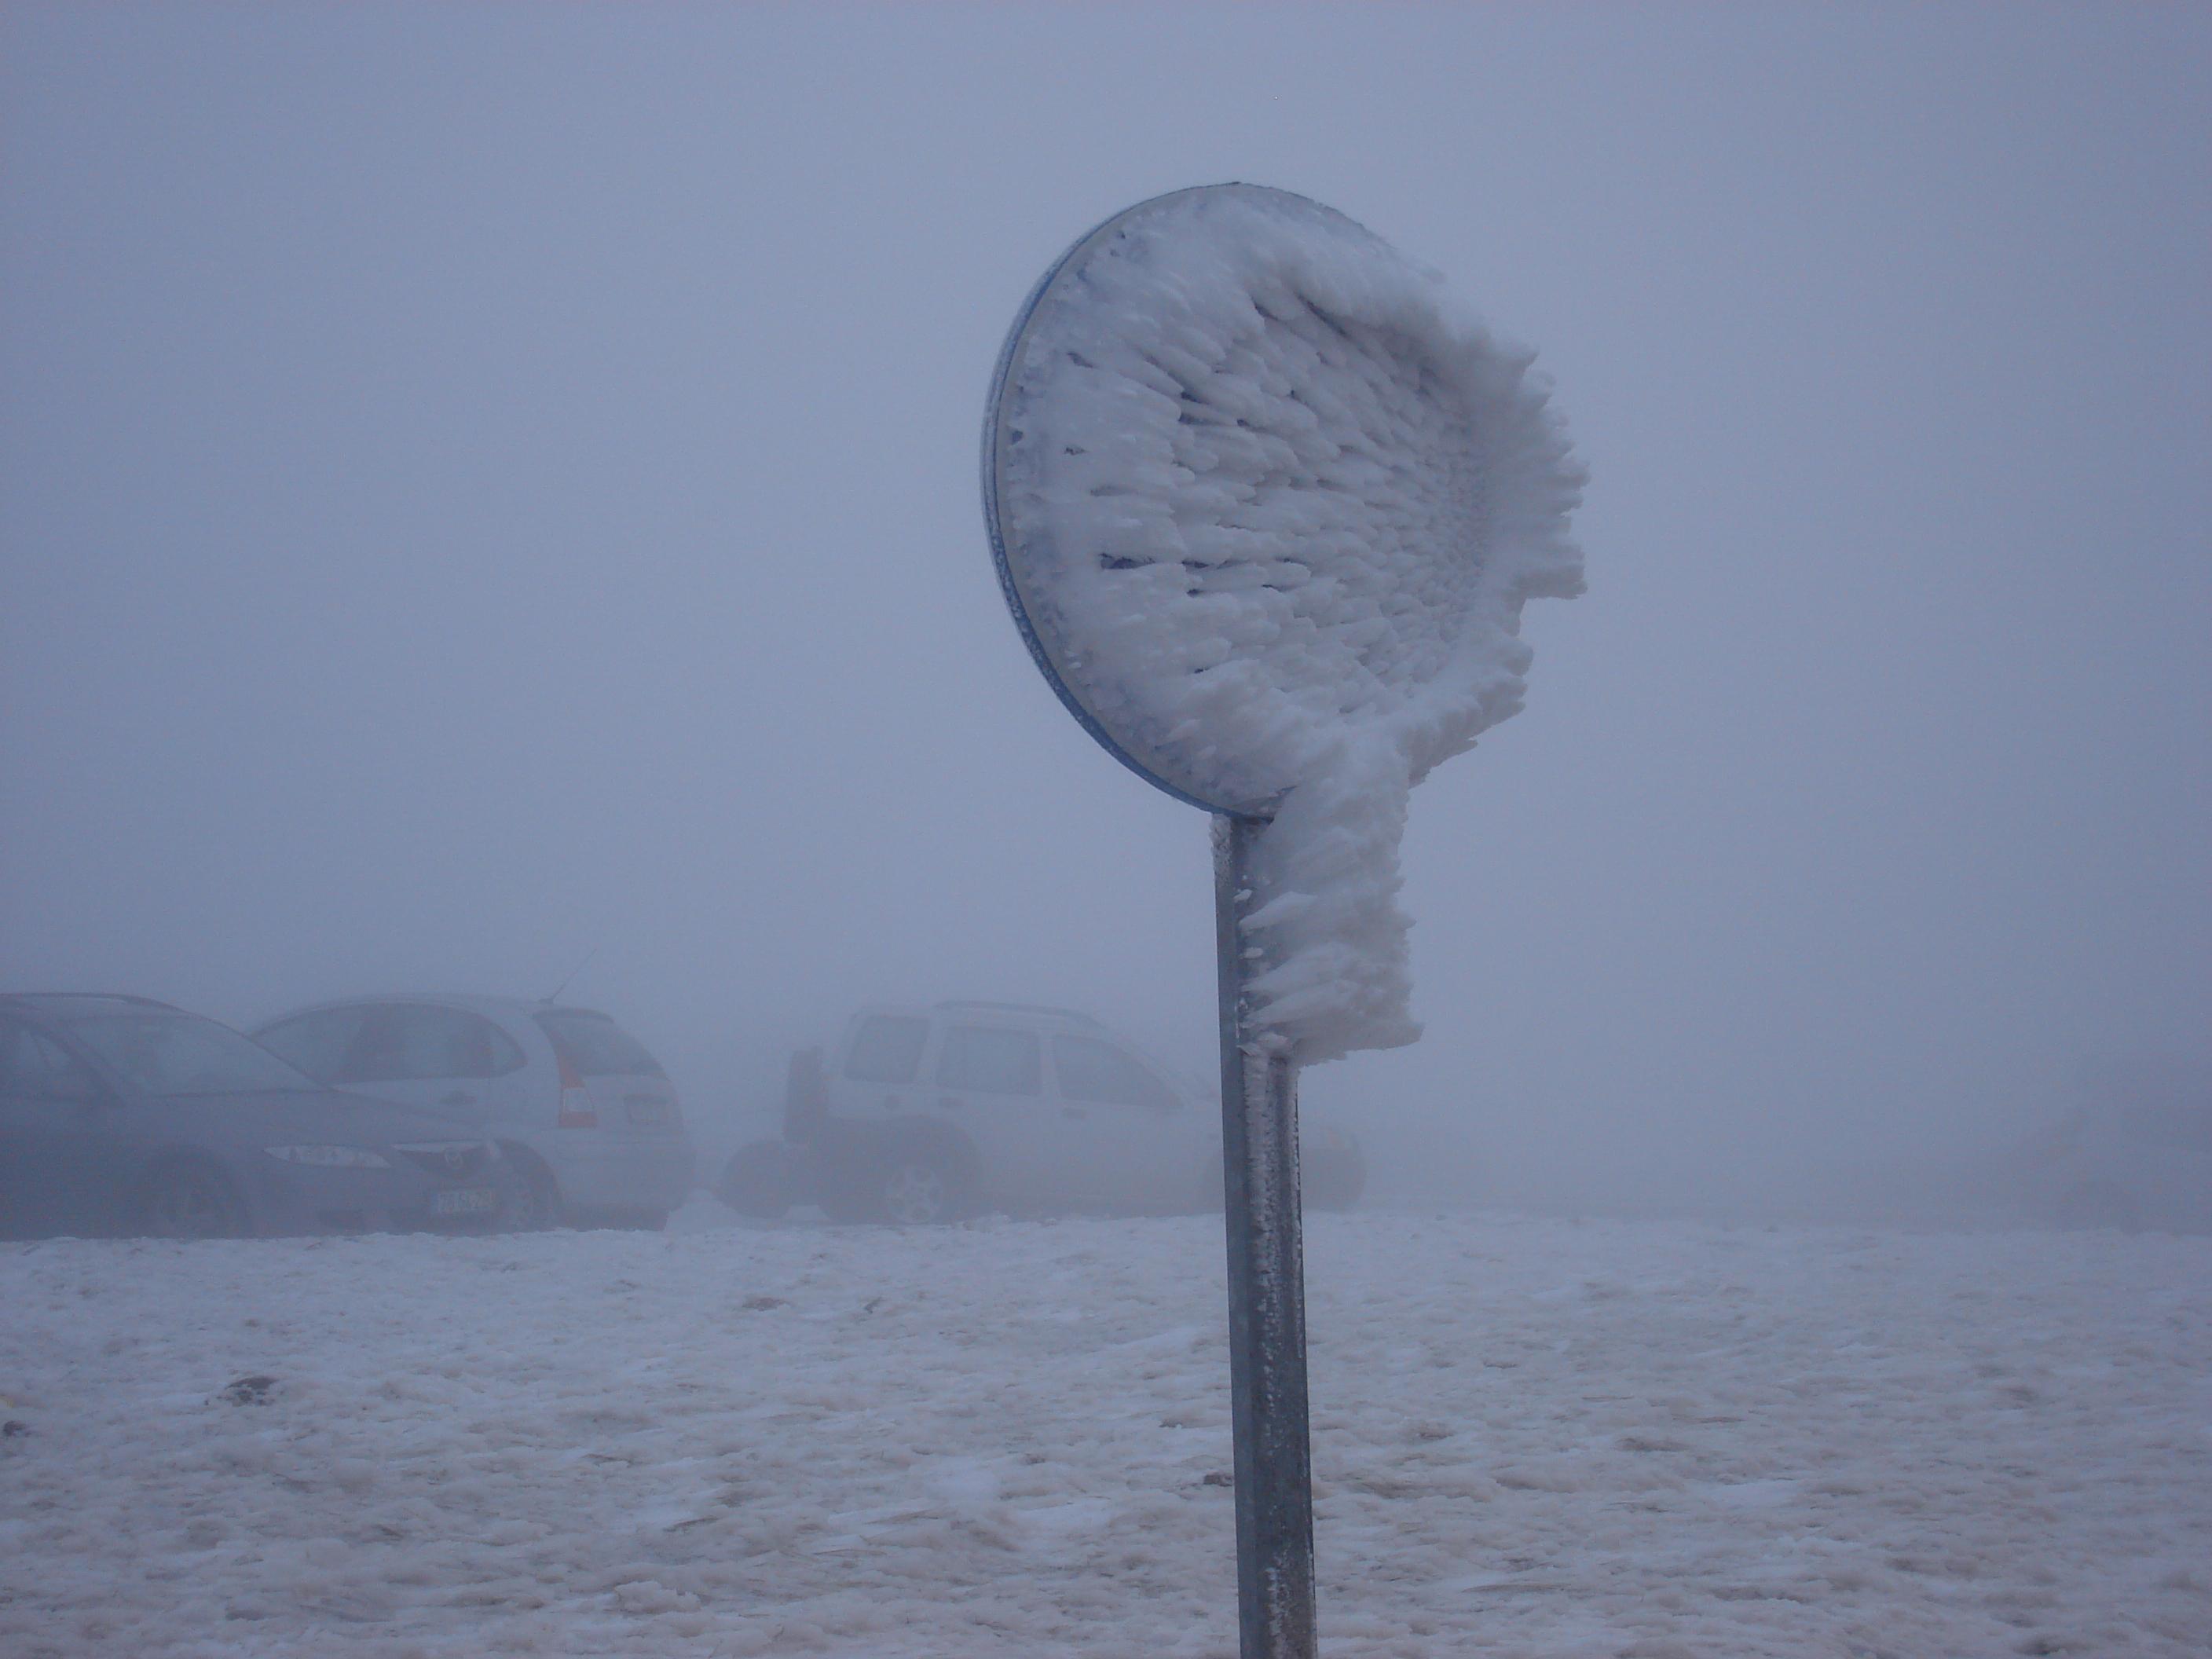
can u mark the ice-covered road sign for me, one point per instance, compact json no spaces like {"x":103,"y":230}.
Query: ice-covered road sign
{"x":1265,"y":509}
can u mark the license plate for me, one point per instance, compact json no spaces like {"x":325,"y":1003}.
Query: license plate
{"x":464,"y":1201}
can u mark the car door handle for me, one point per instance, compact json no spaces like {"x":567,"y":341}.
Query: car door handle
{"x":458,"y":1097}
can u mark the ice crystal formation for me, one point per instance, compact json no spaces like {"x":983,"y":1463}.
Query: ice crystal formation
{"x":1278,"y":504}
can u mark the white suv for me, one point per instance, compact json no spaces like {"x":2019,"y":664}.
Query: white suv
{"x":579,"y":1107}
{"x":925,"y":1114}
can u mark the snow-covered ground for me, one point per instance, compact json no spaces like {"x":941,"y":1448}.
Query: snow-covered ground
{"x":1532,"y":1438}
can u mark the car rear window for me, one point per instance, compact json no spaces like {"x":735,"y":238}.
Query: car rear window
{"x":594,"y":1046}
{"x":887,"y":1048}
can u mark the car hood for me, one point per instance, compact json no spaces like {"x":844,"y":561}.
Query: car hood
{"x":315,"y":1116}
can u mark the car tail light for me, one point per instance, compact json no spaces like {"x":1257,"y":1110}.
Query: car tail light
{"x":577,"y":1111}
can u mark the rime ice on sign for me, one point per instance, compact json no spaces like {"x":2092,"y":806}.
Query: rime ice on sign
{"x":1280,"y":506}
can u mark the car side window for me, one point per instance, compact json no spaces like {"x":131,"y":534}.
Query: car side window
{"x":33,"y":1067}
{"x":415,"y":1042}
{"x":887,"y":1048}
{"x":319,"y":1044}
{"x":991,"y":1059}
{"x":1094,"y":1070}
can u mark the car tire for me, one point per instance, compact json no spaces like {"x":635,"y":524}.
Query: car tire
{"x":190,"y":1200}
{"x":847,"y":1201}
{"x":757,"y":1181}
{"x":920,"y":1189}
{"x":536,"y":1206}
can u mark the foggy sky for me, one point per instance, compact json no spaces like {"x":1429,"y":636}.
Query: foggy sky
{"x":481,"y":486}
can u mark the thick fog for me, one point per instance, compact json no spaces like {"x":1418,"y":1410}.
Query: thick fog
{"x":491,"y":493}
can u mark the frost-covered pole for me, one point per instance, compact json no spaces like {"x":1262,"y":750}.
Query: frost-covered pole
{"x":1267,"y":1290}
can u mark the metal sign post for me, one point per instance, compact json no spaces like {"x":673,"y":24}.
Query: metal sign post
{"x":1266,"y":1291}
{"x":1273,"y":1458}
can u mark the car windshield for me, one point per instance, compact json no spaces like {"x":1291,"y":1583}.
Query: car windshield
{"x":173,"y":1053}
{"x":594,"y":1046}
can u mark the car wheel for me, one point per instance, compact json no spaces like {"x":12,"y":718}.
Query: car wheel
{"x":188,"y":1202}
{"x":847,"y":1200}
{"x":535,"y":1205}
{"x":919,"y":1191}
{"x":758,"y":1181}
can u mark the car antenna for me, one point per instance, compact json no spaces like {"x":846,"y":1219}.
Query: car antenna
{"x":573,"y":972}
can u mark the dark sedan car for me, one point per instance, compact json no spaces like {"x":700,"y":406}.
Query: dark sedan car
{"x":120,"y":1116}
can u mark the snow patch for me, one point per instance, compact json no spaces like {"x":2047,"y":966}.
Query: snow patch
{"x":1795,"y":1446}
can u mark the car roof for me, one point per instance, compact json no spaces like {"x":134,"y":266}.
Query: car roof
{"x":1039,"y":1016}
{"x":84,"y":1002}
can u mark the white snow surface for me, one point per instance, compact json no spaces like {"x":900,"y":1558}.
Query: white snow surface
{"x":1273,"y":505}
{"x":1534,"y":1438}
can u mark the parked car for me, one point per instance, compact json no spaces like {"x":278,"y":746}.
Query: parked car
{"x":121,"y":1115}
{"x":2131,"y":1164}
{"x":926,"y":1113}
{"x":585,"y":1116}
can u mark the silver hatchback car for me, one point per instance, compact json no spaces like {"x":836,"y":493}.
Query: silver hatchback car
{"x":584,"y":1114}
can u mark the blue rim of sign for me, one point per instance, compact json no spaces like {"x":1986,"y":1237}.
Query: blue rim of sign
{"x":996,"y":441}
